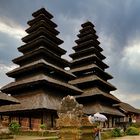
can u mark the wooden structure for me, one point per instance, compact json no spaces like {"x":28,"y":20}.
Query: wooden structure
{"x":40,"y":80}
{"x":88,"y":66}
{"x":132,"y":115}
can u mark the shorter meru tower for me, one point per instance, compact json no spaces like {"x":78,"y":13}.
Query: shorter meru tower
{"x":89,"y":68}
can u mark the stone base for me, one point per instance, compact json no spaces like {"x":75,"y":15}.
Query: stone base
{"x":74,"y":133}
{"x":75,"y":129}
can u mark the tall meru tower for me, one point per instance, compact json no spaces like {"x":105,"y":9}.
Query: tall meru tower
{"x":40,"y":80}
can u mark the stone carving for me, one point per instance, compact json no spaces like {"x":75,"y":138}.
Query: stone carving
{"x":70,"y":108}
{"x":72,"y":123}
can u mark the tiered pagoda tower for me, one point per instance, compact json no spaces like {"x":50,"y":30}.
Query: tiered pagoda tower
{"x":40,"y":80}
{"x":88,"y":66}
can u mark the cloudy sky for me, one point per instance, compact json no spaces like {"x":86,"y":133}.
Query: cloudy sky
{"x":117,"y":23}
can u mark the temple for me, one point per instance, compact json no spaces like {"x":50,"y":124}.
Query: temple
{"x":40,"y":80}
{"x":88,"y":66}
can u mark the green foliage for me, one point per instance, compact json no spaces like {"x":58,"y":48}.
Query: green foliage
{"x":43,"y":126}
{"x":137,"y":124}
{"x":5,"y":136}
{"x":116,"y":132}
{"x":106,"y":135}
{"x":132,"y":131}
{"x":14,"y":127}
{"x":36,"y":133}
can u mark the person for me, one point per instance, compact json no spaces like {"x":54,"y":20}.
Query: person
{"x":96,"y":134}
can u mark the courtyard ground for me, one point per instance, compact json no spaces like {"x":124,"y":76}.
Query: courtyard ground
{"x":32,"y":138}
{"x":46,"y":138}
{"x":127,"y":138}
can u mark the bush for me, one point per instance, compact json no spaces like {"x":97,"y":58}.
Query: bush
{"x":14,"y":127}
{"x":137,"y":125}
{"x":132,"y":131}
{"x":116,"y":132}
{"x":43,"y":126}
{"x":106,"y":135}
{"x":36,"y":133}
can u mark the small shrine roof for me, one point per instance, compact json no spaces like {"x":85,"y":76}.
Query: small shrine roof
{"x":91,"y":78}
{"x":127,"y":107}
{"x":42,"y":31}
{"x":40,"y":63}
{"x":42,"y":41}
{"x":97,"y":92}
{"x":102,"y":108}
{"x":87,"y":51}
{"x":87,"y":59}
{"x":42,"y":23}
{"x":6,"y":99}
{"x":87,"y":23}
{"x":42,"y":11}
{"x":88,"y":43}
{"x":41,"y":50}
{"x":42,"y":17}
{"x":89,"y":67}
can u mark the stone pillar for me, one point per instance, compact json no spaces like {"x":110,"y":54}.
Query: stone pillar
{"x":72,"y":123}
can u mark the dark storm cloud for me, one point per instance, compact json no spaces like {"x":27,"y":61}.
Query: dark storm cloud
{"x":20,"y":11}
{"x":8,"y":48}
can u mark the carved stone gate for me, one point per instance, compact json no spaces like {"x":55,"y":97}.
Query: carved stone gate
{"x":72,"y":123}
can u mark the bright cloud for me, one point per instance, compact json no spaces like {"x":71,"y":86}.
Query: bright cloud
{"x":10,"y":28}
{"x":3,"y":70}
{"x":6,"y":68}
{"x":132,"y":54}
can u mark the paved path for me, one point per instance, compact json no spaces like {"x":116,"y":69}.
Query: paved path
{"x":127,"y":138}
{"x":45,"y":138}
{"x":32,"y":138}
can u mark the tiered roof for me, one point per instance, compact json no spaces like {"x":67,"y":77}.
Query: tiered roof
{"x":7,"y":99}
{"x":40,"y":77}
{"x":87,"y":64}
{"x":41,"y":62}
{"x":127,"y":108}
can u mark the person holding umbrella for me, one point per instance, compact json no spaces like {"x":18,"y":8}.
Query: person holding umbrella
{"x":97,"y":117}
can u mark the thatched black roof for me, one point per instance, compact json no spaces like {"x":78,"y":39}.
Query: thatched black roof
{"x":127,"y":108}
{"x":92,"y":78}
{"x":41,"y":78}
{"x":97,"y":92}
{"x":93,"y":108}
{"x":33,"y":102}
{"x":7,"y":99}
{"x":40,"y":64}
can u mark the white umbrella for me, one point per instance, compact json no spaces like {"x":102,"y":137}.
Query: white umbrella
{"x":91,"y":119}
{"x":100,"y":117}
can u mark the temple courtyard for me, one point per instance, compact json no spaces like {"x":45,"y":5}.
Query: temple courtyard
{"x":127,"y":138}
{"x":53,"y":138}
{"x":33,"y":138}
